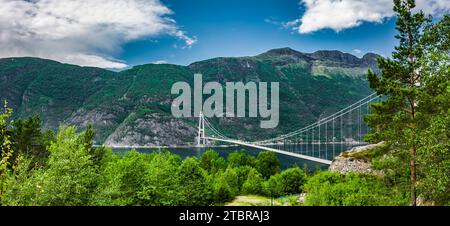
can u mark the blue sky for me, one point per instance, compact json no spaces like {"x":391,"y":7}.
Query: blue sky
{"x":122,"y":33}
{"x":245,"y":28}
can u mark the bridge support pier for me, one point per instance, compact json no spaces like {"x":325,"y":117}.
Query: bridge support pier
{"x":201,"y":140}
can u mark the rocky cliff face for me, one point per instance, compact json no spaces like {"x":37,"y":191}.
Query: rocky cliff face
{"x":153,"y":130}
{"x":132,"y":107}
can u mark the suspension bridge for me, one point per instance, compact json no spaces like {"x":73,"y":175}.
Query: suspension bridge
{"x":319,"y":142}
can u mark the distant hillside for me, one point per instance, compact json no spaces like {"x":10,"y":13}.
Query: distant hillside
{"x":132,"y":107}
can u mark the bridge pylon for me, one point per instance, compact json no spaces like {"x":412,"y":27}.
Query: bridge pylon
{"x":201,"y":138}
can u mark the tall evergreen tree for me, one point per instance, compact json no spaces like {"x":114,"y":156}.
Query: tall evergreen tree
{"x":395,"y":119}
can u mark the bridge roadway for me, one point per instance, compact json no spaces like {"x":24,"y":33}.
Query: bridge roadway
{"x":314,"y":159}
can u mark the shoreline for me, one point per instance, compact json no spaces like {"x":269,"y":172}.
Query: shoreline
{"x":163,"y":147}
{"x":211,"y":146}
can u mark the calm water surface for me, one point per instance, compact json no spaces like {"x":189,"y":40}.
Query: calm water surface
{"x":325,"y":152}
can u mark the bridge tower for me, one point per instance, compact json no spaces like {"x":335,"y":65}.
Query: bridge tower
{"x":201,"y":140}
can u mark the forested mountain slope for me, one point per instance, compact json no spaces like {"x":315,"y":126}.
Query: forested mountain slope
{"x":132,"y":107}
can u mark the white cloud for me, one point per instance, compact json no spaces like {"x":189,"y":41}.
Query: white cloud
{"x":82,"y":32}
{"x":160,"y":62}
{"x":182,"y":35}
{"x":357,"y":51}
{"x":342,"y":14}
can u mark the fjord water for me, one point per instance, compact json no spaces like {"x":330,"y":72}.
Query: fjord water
{"x":326,"y":151}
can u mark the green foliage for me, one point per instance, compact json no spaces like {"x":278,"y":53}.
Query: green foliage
{"x":71,"y":177}
{"x":415,"y":85}
{"x":211,"y":162}
{"x":222,"y":192}
{"x":76,"y":173}
{"x":231,"y":177}
{"x":254,"y":183}
{"x":5,"y":147}
{"x":21,"y":185}
{"x":395,"y":117}
{"x":194,"y":187}
{"x":292,"y":181}
{"x":273,"y":187}
{"x":288,"y":182}
{"x":161,"y":182}
{"x":97,"y":153}
{"x":123,"y":179}
{"x":239,"y":158}
{"x":434,"y":161}
{"x":433,"y":144}
{"x":368,"y":155}
{"x":225,"y":185}
{"x":5,"y":137}
{"x":334,"y":189}
{"x":140,"y":179}
{"x":29,"y":140}
{"x":267,"y":164}
{"x":291,"y":200}
{"x":242,"y":174}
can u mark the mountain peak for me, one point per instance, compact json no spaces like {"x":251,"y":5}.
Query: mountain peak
{"x":370,"y":56}
{"x":283,"y":51}
{"x":335,"y":56}
{"x":287,"y":55}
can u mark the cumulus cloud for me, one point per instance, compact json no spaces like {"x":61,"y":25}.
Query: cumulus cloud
{"x":342,"y":14}
{"x":82,"y":32}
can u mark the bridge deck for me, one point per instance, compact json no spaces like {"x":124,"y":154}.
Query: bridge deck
{"x":314,"y":159}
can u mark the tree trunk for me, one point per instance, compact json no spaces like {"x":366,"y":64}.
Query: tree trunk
{"x":412,"y":163}
{"x":412,"y":166}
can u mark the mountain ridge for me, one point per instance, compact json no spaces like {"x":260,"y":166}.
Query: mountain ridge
{"x":132,"y":107}
{"x":317,"y":55}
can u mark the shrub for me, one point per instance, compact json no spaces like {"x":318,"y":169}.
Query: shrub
{"x":71,"y":176}
{"x":254,"y":183}
{"x":292,"y":181}
{"x":194,"y":185}
{"x":267,"y":164}
{"x":212,"y":162}
{"x":334,"y":189}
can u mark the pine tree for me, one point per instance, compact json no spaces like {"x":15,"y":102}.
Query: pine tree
{"x":395,"y":118}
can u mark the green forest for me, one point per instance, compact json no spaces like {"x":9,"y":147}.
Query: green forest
{"x":46,"y":168}
{"x":65,"y":169}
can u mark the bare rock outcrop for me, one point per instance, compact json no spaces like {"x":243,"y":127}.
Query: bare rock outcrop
{"x":152,"y":130}
{"x":347,"y":161}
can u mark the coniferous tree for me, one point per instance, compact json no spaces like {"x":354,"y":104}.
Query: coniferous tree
{"x":395,"y":119}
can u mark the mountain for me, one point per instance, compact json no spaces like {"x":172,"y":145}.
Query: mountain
{"x":132,"y":107}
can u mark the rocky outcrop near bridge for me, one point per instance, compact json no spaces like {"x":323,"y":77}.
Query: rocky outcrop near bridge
{"x":351,"y":162}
